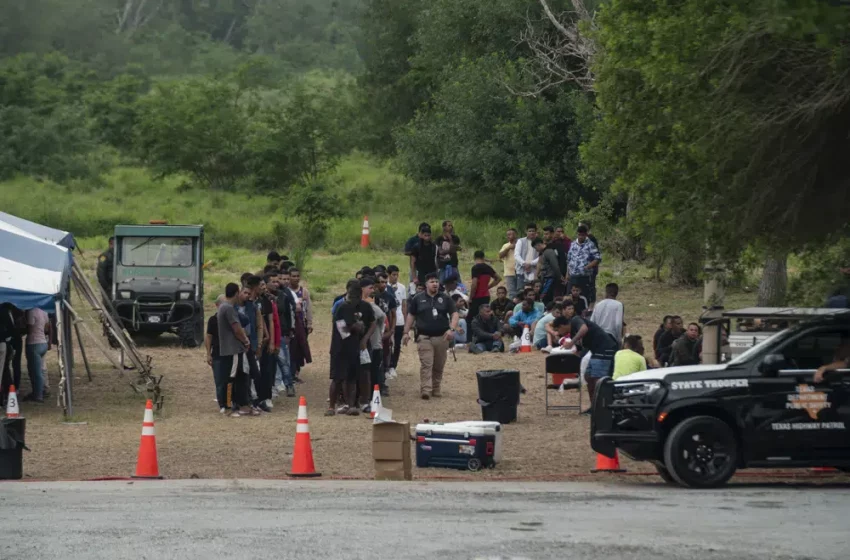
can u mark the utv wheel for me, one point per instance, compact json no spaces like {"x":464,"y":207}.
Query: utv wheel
{"x":474,"y":464}
{"x":191,"y":332}
{"x":701,"y":452}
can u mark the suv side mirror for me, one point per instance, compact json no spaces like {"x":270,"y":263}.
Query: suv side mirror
{"x":772,"y":363}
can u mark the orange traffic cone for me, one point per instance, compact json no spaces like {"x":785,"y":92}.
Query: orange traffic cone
{"x":302,"y":455}
{"x":146,"y":466}
{"x":526,"y":340}
{"x":606,"y":464}
{"x":364,"y":237}
{"x":376,"y":401}
{"x":12,"y":408}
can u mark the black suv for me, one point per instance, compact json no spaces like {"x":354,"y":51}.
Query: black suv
{"x":698,"y":424}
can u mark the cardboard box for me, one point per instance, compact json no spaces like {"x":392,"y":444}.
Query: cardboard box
{"x":391,"y":431}
{"x":388,"y":450}
{"x":391,"y":451}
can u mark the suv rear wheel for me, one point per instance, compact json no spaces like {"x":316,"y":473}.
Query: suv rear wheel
{"x":701,"y":452}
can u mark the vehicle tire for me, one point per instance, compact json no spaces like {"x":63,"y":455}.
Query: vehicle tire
{"x":113,"y":342}
{"x":191,"y":332}
{"x":701,"y":452}
{"x":665,"y":475}
{"x":473,"y":464}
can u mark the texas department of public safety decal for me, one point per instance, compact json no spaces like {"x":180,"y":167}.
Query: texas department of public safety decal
{"x":708,"y":384}
{"x":102,"y":258}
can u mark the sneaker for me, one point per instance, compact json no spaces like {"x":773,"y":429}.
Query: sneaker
{"x":275,"y":393}
{"x":263,"y":406}
{"x":342,"y":409}
{"x":392,"y":373}
{"x":460,"y":346}
{"x":366,"y":409}
{"x":546,"y":350}
{"x":255,"y":411}
{"x":436,"y":393}
{"x":353,"y":412}
{"x":330,"y":412}
{"x":425,"y":396}
{"x":222,"y":410}
{"x":298,"y":379}
{"x":290,"y":391}
{"x":235,"y":414}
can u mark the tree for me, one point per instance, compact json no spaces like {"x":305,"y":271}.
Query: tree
{"x":774,"y":281}
{"x":196,"y":126}
{"x":728,"y":121}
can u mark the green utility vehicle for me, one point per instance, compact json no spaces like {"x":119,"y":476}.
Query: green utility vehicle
{"x":158,"y":280}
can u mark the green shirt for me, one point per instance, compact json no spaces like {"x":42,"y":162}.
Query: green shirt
{"x":628,"y":361}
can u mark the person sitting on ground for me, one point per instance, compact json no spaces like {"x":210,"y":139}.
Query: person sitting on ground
{"x":630,"y":359}
{"x":665,"y":343}
{"x":484,"y":279}
{"x":609,"y":312}
{"x":486,"y":332}
{"x":666,"y":325}
{"x":543,"y":338}
{"x":501,"y":306}
{"x":461,"y":333}
{"x":685,"y":351}
{"x":548,"y":270}
{"x":452,"y":286}
{"x":579,"y":301}
{"x":527,"y":315}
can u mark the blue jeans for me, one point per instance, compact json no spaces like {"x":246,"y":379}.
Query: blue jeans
{"x":598,"y":369}
{"x":488,"y":346}
{"x":35,"y":354}
{"x":462,"y":338}
{"x":283,"y":375}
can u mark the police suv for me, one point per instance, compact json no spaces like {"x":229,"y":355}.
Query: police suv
{"x":698,"y":424}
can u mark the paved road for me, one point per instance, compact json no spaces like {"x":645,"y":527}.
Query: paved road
{"x":353,"y":520}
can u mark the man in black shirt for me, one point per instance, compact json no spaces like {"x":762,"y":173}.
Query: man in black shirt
{"x":601,"y":344}
{"x":448,"y":246}
{"x":423,"y":257}
{"x":286,"y":315}
{"x":352,"y":322}
{"x":436,"y":321}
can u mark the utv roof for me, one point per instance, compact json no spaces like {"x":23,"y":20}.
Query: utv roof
{"x":159,"y":230}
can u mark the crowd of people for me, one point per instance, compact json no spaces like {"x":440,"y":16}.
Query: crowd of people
{"x":258,"y":341}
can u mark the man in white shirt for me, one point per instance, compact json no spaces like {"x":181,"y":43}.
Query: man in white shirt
{"x":609,"y":313}
{"x":526,"y":257}
{"x":401,"y":313}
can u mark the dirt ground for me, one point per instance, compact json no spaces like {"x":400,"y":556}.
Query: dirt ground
{"x":194,"y":440}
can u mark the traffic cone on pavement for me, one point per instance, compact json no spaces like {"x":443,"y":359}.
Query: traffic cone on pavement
{"x":12,"y":408}
{"x":302,"y":455}
{"x":146,"y":466}
{"x":364,"y":237}
{"x":607,"y":465}
{"x":376,"y":401}
{"x":526,"y":340}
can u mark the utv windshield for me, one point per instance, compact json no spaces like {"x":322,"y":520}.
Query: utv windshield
{"x":156,"y":251}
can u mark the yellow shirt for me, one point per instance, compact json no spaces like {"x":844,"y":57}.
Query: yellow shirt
{"x":628,"y":361}
{"x":510,"y":263}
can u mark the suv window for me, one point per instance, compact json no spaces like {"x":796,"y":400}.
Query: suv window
{"x":814,"y":348}
{"x":156,"y":251}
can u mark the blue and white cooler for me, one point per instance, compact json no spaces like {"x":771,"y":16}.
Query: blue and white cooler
{"x":459,"y":445}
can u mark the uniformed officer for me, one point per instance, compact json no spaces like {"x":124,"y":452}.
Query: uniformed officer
{"x":104,"y":267}
{"x":436,"y":321}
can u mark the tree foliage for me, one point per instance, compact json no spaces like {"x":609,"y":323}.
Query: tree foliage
{"x":727,"y":121}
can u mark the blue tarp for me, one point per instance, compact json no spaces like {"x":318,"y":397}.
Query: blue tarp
{"x":34,"y":272}
{"x":54,"y":236}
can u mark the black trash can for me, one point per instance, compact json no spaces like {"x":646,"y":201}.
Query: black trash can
{"x":498,"y":394}
{"x":12,"y":444}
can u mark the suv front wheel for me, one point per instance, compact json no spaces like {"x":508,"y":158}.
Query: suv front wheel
{"x":701,"y":452}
